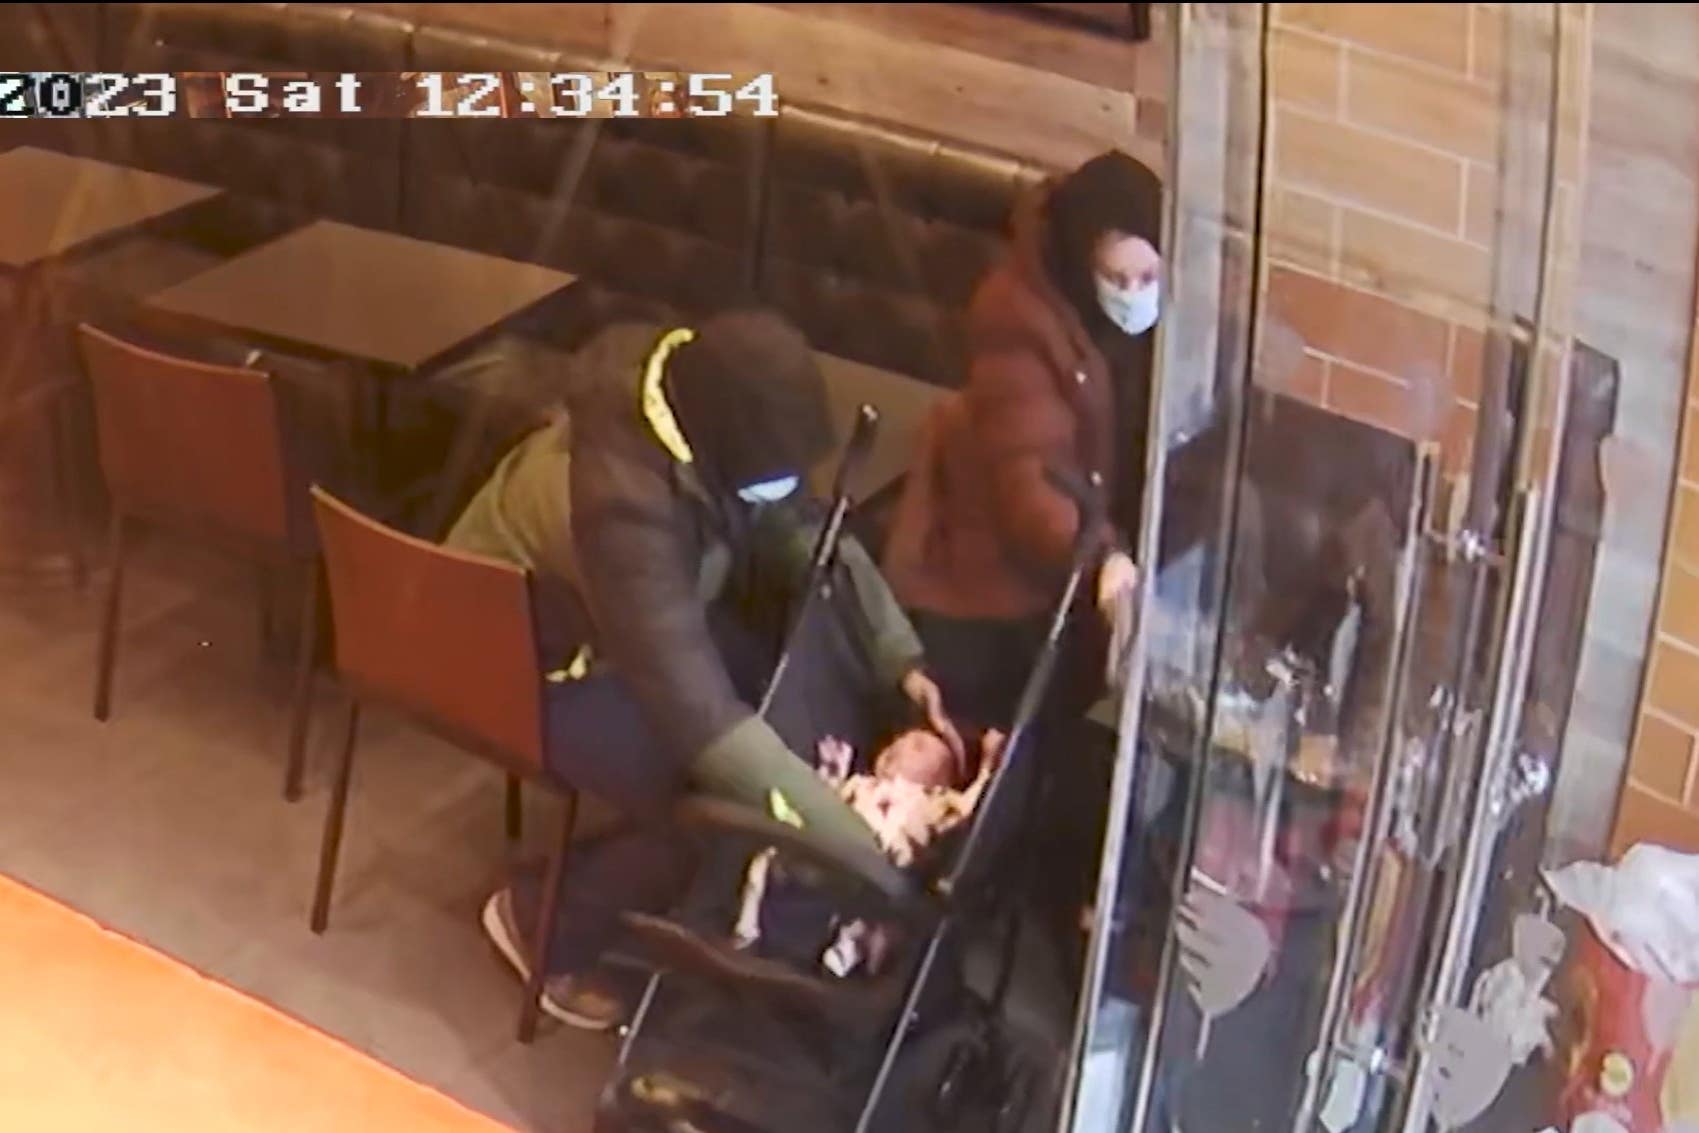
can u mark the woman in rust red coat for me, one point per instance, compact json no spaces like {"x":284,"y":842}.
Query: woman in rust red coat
{"x":1059,"y":364}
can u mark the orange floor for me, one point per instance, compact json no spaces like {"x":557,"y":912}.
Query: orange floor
{"x":99,"y":1034}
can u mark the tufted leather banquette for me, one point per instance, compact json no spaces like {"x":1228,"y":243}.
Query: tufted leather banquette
{"x":49,"y":37}
{"x":280,"y":171}
{"x":656,"y":216}
{"x":870,"y":238}
{"x":875,"y":238}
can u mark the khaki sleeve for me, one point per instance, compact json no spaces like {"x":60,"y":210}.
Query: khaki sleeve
{"x":750,"y":762}
{"x":786,"y":539}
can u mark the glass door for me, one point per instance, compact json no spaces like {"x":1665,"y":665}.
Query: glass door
{"x":1345,"y":541}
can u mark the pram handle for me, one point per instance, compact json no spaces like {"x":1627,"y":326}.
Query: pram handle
{"x":861,"y":439}
{"x":1089,"y":497}
{"x":862,"y":435}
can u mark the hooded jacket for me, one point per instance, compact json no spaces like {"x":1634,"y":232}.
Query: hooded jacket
{"x":980,"y":531}
{"x":607,"y":500}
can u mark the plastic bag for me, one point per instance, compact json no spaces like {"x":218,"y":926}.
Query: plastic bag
{"x":1645,"y":909}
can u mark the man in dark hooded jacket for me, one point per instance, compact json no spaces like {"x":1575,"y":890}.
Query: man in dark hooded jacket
{"x":657,"y":517}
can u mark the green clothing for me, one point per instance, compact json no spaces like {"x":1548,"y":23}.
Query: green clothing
{"x":605,"y":505}
{"x":522,"y":516}
{"x":518,"y":515}
{"x":746,"y":767}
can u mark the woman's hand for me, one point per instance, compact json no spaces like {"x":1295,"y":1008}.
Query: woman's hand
{"x":1118,"y":576}
{"x":924,"y":691}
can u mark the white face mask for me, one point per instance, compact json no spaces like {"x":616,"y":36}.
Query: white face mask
{"x":1134,"y":310}
{"x":770,"y":491}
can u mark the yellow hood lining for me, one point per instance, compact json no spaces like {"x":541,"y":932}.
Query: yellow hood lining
{"x":656,"y":410}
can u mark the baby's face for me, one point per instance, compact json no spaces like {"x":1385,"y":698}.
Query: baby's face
{"x":918,"y":756}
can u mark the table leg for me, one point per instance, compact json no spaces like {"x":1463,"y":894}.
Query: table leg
{"x":380,"y":416}
{"x":452,"y":481}
{"x":378,"y":440}
{"x":370,"y":423}
{"x":71,"y":494}
{"x":40,"y":508}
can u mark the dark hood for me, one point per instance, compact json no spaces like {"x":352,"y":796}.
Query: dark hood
{"x":606,"y":379}
{"x":1111,"y":192}
{"x":745,"y":393}
{"x":750,"y":399}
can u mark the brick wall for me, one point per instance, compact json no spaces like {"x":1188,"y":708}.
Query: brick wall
{"x":1385,"y":130}
{"x":1639,"y":247}
{"x":1660,"y":800}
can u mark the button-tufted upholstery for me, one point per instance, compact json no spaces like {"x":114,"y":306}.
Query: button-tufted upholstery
{"x":870,"y":238}
{"x":50,"y":37}
{"x":280,"y":171}
{"x":654,"y":216}
{"x":874,"y":238}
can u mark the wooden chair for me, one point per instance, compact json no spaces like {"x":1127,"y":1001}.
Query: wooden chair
{"x":201,"y":450}
{"x":448,"y":640}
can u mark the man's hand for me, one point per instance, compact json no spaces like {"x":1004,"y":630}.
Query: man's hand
{"x":1118,"y":576}
{"x":921,"y":689}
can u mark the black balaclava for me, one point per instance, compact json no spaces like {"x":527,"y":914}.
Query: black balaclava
{"x":750,"y":400}
{"x":1109,"y":193}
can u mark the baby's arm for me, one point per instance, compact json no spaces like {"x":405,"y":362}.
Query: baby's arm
{"x":955,"y":807}
{"x":836,"y":759}
{"x":991,"y":755}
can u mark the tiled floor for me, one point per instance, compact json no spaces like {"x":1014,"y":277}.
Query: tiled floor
{"x":167,"y":824}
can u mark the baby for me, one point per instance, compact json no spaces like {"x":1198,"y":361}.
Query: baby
{"x":911,"y":799}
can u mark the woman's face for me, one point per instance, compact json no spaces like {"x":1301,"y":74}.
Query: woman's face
{"x":1127,"y":262}
{"x":1127,"y":270}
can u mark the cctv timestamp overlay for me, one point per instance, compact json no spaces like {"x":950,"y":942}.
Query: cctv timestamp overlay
{"x":387,"y":94}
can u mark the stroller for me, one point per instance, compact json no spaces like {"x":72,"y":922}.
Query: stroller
{"x":725,"y":1041}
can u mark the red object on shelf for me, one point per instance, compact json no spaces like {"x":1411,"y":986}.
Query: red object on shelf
{"x":1613,"y":1063}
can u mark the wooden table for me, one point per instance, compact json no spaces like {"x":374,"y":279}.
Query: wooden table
{"x":334,"y":291}
{"x":903,"y":403}
{"x":392,"y":305}
{"x":52,"y":207}
{"x":52,"y":203}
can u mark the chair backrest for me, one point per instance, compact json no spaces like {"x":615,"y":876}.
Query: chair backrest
{"x":445,"y":636}
{"x":194,"y":445}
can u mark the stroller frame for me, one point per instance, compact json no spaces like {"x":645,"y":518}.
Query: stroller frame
{"x":959,"y":894}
